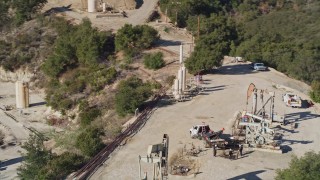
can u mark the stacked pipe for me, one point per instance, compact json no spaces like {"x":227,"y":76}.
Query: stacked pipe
{"x":180,"y":81}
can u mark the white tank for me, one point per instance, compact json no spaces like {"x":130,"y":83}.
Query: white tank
{"x":91,"y":6}
{"x":103,"y":7}
{"x":176,"y":87}
{"x":180,"y":77}
{"x":22,"y":95}
{"x":184,"y":73}
{"x":181,"y":54}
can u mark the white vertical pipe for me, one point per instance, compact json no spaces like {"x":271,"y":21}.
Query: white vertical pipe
{"x":180,"y":80}
{"x":103,"y":7}
{"x":26,"y":94}
{"x":181,"y":54}
{"x":91,"y":6}
{"x":176,"y":86}
{"x":183,"y":78}
{"x":18,"y":95}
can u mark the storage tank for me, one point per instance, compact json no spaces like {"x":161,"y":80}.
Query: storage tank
{"x":91,"y":6}
{"x":22,"y":95}
{"x":184,"y":76}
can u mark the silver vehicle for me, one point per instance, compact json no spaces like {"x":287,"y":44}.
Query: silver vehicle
{"x":259,"y":67}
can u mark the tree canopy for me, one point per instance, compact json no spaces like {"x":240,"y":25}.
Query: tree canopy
{"x":132,"y":39}
{"x":40,"y":163}
{"x":132,"y":93}
{"x":306,"y":167}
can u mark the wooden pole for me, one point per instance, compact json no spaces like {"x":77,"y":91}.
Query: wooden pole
{"x":198,"y":27}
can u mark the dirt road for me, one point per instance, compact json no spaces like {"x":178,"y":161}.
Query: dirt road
{"x":225,"y":94}
{"x":72,"y":11}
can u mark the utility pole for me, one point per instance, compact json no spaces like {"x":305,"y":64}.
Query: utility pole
{"x":166,"y":14}
{"x":176,"y":17}
{"x":198,"y":26}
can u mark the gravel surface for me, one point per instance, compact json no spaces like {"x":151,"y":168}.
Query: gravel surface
{"x":226,"y":94}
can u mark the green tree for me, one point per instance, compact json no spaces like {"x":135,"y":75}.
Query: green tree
{"x":132,"y":39}
{"x":132,"y":93}
{"x":315,"y":92}
{"x":25,"y":9}
{"x":4,"y":16}
{"x":154,"y":61}
{"x":61,"y":166}
{"x":208,"y":53}
{"x":88,"y":115}
{"x":303,"y":168}
{"x":35,"y":159}
{"x":89,"y":141}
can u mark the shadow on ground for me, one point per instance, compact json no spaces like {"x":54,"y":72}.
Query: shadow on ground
{"x":235,"y":69}
{"x":58,"y":9}
{"x":250,"y":175}
{"x":300,"y":116}
{"x":139,"y":3}
{"x":37,"y":104}
{"x":5,"y":164}
{"x":162,"y":42}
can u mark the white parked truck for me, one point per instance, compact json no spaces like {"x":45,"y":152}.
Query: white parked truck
{"x":292,"y":100}
{"x":198,"y":130}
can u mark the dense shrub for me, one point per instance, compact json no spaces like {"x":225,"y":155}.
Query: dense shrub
{"x":101,"y":77}
{"x":40,"y":163}
{"x":132,"y":39}
{"x":89,"y":141}
{"x":88,"y":115}
{"x":25,"y":9}
{"x":154,"y":61}
{"x":61,"y":166}
{"x":131,"y":94}
{"x":303,"y":168}
{"x":83,"y":45}
{"x":315,"y":92}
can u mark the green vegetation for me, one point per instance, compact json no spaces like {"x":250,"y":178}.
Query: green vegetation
{"x":24,"y":10}
{"x":303,"y":168}
{"x":88,"y":115}
{"x":154,"y":61}
{"x":76,"y":64}
{"x":40,"y":163}
{"x":315,"y":93}
{"x":133,"y":39}
{"x":89,"y":141}
{"x":18,"y":11}
{"x":282,"y":34}
{"x":80,"y":46}
{"x":131,"y":94}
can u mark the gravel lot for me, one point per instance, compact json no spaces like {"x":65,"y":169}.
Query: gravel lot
{"x":226,"y":94}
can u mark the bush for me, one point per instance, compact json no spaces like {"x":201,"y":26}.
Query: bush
{"x":89,"y":141}
{"x":132,"y":39}
{"x":131,"y":95}
{"x":315,"y":93}
{"x":154,"y":61}
{"x":99,"y":78}
{"x":61,"y":166}
{"x":41,"y":164}
{"x":88,"y":115}
{"x":304,"y":168}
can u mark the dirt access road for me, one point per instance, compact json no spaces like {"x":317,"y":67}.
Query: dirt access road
{"x":71,"y":10}
{"x":225,"y":94}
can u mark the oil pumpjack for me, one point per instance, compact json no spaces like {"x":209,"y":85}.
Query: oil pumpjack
{"x":157,"y":155}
